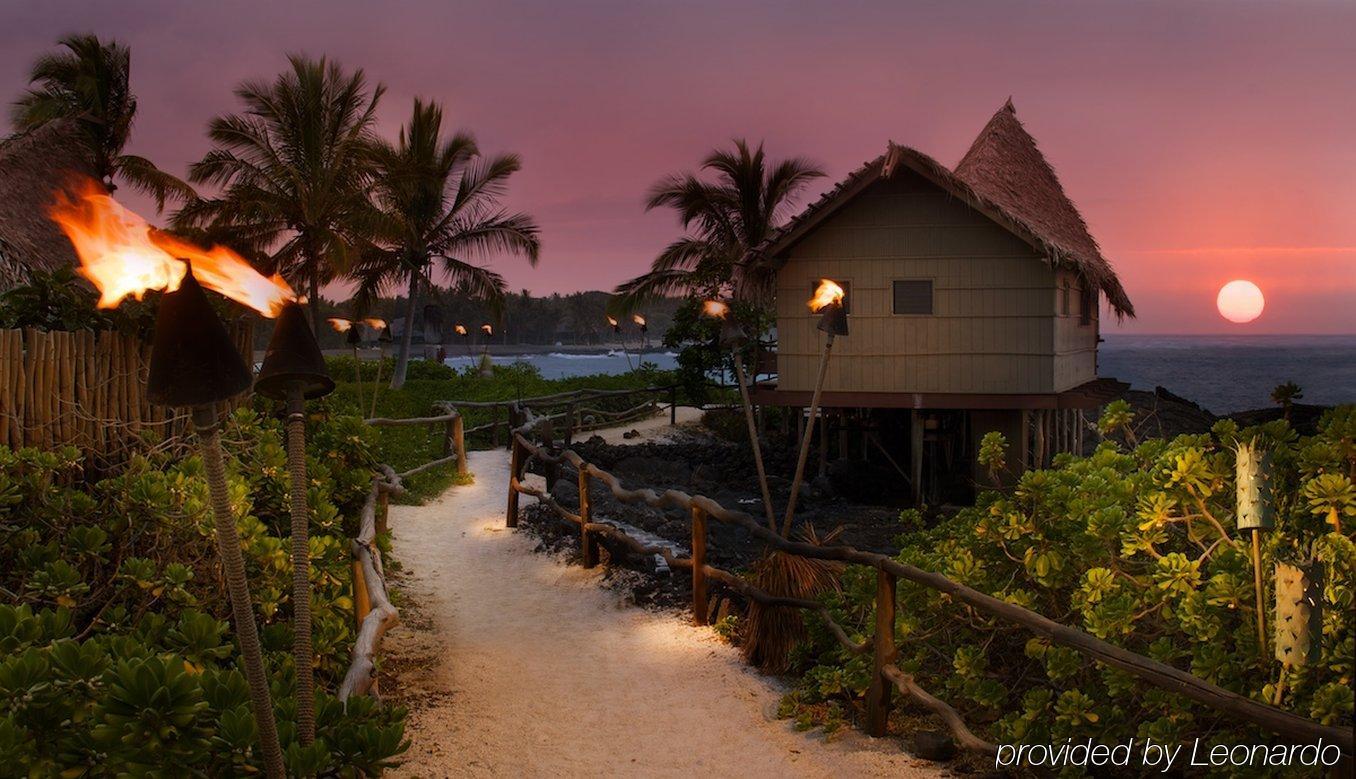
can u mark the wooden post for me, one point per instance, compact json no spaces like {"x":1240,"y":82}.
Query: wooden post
{"x":459,"y":444}
{"x":494,"y":427}
{"x":823,"y":443}
{"x":570,"y":418}
{"x":883,"y":655}
{"x":362,"y":603}
{"x":515,"y":472}
{"x":587,"y":547}
{"x":673,"y":405}
{"x":447,"y":437}
{"x":700,"y":602}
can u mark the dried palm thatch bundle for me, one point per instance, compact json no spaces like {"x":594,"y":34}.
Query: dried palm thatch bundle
{"x":771,"y":632}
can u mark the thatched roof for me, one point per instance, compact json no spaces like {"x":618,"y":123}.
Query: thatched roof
{"x":32,"y":166}
{"x":1003,"y":176}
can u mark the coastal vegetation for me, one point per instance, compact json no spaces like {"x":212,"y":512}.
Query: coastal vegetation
{"x":117,"y":656}
{"x":1137,"y":544}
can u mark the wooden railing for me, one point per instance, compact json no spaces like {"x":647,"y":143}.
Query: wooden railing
{"x":372,"y":605}
{"x":579,"y":409}
{"x":881,"y":647}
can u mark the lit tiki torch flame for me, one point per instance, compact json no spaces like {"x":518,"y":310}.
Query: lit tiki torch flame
{"x":194,"y":364}
{"x":124,"y":256}
{"x":828,"y":303}
{"x":616,"y":326}
{"x":732,"y":336}
{"x":342,"y":325}
{"x":640,"y":321}
{"x":489,"y":331}
{"x":383,"y":332}
{"x":461,"y":330}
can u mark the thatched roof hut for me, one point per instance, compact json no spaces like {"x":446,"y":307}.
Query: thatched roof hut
{"x":32,"y":166}
{"x":1003,"y":176}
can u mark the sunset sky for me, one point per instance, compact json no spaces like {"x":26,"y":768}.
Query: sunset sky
{"x":1202,"y":141}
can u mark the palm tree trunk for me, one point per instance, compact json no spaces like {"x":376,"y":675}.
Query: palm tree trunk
{"x":407,"y":337}
{"x":314,"y":294}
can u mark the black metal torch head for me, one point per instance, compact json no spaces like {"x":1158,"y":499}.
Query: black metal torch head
{"x":193,"y":360}
{"x":293,"y":358}
{"x":833,"y":319}
{"x":732,"y":335}
{"x":354,"y":336}
{"x":385,"y":336}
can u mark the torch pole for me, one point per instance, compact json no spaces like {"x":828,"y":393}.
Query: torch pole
{"x":302,"y":652}
{"x":357,"y":374}
{"x":376,"y":386}
{"x":753,"y":439}
{"x":1257,"y":587}
{"x":242,"y":612}
{"x":807,"y":435}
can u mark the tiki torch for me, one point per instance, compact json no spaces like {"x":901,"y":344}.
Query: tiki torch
{"x":733,"y":337}
{"x":294,"y":371}
{"x":383,"y":339}
{"x":465,"y":340}
{"x":354,"y":338}
{"x":644,"y":334}
{"x":1254,"y":513}
{"x":833,"y":320}
{"x":616,"y":329}
{"x":195,"y":365}
{"x":486,"y":363}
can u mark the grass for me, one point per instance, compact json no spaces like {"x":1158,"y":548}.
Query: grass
{"x":406,"y":447}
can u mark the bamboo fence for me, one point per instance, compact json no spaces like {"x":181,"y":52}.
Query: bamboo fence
{"x":86,"y":389}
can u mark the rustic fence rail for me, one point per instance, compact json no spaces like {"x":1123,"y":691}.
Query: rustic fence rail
{"x":886,"y":675}
{"x":578,"y":408}
{"x":86,"y":389}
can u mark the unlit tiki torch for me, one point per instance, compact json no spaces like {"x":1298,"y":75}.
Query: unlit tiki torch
{"x":294,"y":371}
{"x":833,"y":320}
{"x":195,"y":365}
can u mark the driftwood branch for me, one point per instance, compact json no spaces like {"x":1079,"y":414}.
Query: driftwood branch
{"x":361,"y":675}
{"x":908,"y":686}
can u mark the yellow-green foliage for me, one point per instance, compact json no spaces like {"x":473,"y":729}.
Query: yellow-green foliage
{"x":1138,"y":547}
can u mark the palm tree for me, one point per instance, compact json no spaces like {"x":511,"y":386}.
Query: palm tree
{"x":294,"y":169}
{"x":439,"y":202}
{"x":725,"y":219}
{"x":89,"y":85}
{"x":1285,"y":395}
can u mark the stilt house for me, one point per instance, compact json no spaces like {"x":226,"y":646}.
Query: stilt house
{"x":974,"y":297}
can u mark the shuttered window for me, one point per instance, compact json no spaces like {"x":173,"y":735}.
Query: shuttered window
{"x":1087,"y":305}
{"x":913,"y":296}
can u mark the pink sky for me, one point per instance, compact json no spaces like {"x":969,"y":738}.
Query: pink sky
{"x":1202,"y":141}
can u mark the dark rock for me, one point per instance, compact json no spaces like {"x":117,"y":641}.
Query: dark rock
{"x":932,"y":745}
{"x":652,"y":471}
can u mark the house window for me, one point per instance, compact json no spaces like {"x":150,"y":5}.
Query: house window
{"x":913,"y":296}
{"x":847,"y":292}
{"x":1064,"y":299}
{"x":1087,"y":305}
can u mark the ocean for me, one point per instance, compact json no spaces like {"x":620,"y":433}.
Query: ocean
{"x":1222,"y":373}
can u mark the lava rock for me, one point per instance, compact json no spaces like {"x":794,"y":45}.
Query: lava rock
{"x":932,"y":745}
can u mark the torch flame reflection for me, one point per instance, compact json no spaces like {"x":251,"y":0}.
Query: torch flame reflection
{"x":715,"y":309}
{"x":828,"y":293}
{"x":122,"y":255}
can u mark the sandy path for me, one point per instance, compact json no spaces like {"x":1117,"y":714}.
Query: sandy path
{"x":530,"y":668}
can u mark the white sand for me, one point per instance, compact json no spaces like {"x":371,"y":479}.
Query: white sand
{"x":533,"y":669}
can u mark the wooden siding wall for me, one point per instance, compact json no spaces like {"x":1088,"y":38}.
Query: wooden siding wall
{"x":88,"y":389}
{"x":1075,"y":342}
{"x":993,"y":321}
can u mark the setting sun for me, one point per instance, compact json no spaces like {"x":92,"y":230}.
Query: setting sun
{"x":1240,"y":301}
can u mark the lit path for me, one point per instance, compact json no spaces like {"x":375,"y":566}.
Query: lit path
{"x":531,"y":668}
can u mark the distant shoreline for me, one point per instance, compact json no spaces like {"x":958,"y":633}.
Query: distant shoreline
{"x":503,"y":350}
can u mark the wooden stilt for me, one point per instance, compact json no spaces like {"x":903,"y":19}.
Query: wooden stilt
{"x":916,"y":455}
{"x":882,"y":656}
{"x":700,"y":604}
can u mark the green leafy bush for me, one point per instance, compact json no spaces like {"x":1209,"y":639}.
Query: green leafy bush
{"x":1138,"y":547}
{"x":117,"y":650}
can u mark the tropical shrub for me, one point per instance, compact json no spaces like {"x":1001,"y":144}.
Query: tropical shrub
{"x":1138,"y":547}
{"x":115,"y":633}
